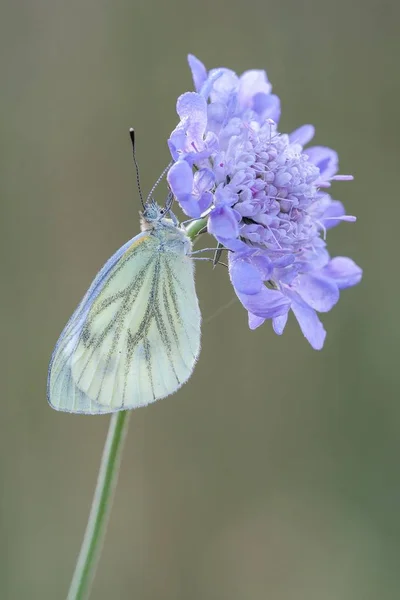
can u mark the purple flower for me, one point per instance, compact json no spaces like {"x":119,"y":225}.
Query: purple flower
{"x":264,"y":195}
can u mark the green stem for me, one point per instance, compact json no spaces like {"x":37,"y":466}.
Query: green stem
{"x":194,"y":228}
{"x":101,"y":505}
{"x":106,"y":481}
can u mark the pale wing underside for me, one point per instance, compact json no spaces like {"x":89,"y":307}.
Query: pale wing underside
{"x":135,"y":337}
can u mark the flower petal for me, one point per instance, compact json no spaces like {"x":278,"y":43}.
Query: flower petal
{"x":177,"y":141}
{"x":224,"y":195}
{"x":344,"y":271}
{"x":204,"y":202}
{"x":302,"y":135}
{"x":199,"y":72}
{"x":314,"y":259}
{"x":222,"y":222}
{"x":266,"y":303}
{"x":279,"y":323}
{"x":310,"y":325}
{"x":222,"y":84}
{"x":245,"y":278}
{"x":255,"y":321}
{"x":203,"y":180}
{"x":216,"y":116}
{"x":325,"y":159}
{"x":180,"y":179}
{"x":263,"y":264}
{"x":193,"y":108}
{"x":235,"y":245}
{"x":318,"y":292}
{"x":268,"y":107}
{"x":251,"y":83}
{"x":334,"y":209}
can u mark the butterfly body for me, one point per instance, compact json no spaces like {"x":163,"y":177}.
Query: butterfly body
{"x":135,"y":337}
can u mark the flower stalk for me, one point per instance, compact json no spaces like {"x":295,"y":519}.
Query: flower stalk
{"x":101,"y":506}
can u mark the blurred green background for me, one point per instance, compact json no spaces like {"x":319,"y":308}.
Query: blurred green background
{"x":274,"y":473}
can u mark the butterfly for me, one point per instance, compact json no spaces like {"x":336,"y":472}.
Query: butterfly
{"x":135,"y":336}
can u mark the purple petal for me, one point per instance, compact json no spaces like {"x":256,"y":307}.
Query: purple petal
{"x":224,"y":195}
{"x":203,"y":180}
{"x":205,"y":201}
{"x":271,"y":107}
{"x":211,"y":140}
{"x":253,"y":233}
{"x":260,"y":103}
{"x":284,"y":261}
{"x":251,"y":83}
{"x":279,"y":323}
{"x":180,"y":179}
{"x":334,"y":209}
{"x":193,"y":108}
{"x":199,"y":72}
{"x":318,"y":292}
{"x":255,"y":321}
{"x":245,"y":278}
{"x":263,"y":264}
{"x":235,"y":245}
{"x":344,"y":271}
{"x":310,"y":325}
{"x":188,"y":135}
{"x":177,"y":141}
{"x":266,"y":303}
{"x":196,"y":206}
{"x":191,"y":208}
{"x":222,"y":223}
{"x":302,"y":135}
{"x":247,"y":208}
{"x":314,"y":259}
{"x":325,"y":159}
{"x":221,"y":85}
{"x":216,"y":113}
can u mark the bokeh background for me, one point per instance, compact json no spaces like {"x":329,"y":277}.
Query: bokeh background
{"x":274,"y":473}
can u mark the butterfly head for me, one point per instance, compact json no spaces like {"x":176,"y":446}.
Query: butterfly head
{"x":154,"y":215}
{"x":152,"y":211}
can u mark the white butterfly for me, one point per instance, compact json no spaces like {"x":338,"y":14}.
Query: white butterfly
{"x":135,"y":337}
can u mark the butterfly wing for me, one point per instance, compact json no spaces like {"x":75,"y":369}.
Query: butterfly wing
{"x":166,"y":345}
{"x":135,"y":336}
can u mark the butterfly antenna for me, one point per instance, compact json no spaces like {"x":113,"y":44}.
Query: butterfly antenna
{"x":158,"y":181}
{"x":132,"y":136}
{"x":169,"y":201}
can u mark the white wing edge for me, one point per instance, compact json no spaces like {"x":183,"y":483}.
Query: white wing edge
{"x":79,"y":316}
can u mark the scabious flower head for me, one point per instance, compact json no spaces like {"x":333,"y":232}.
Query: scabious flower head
{"x":265,"y":197}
